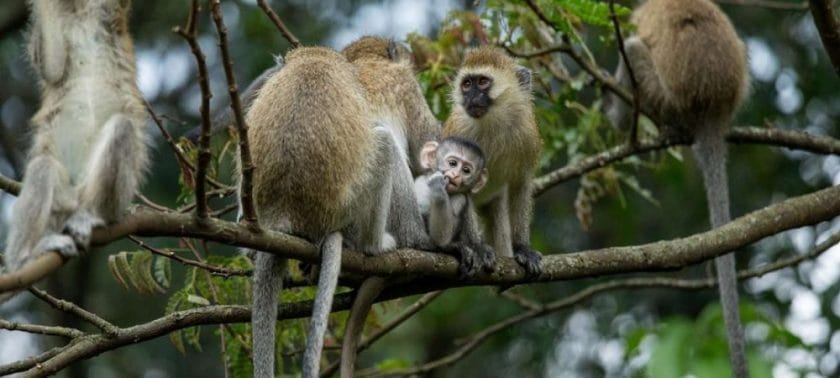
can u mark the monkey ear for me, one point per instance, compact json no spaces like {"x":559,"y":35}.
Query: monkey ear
{"x":482,"y":179}
{"x":427,"y":155}
{"x":523,"y":74}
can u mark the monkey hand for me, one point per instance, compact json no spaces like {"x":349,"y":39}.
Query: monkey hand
{"x":60,"y":243}
{"x":488,"y":257}
{"x":437,"y":185}
{"x":529,"y":259}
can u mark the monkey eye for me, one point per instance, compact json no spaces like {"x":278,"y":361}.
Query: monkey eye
{"x":465,"y":85}
{"x":466,"y":170}
{"x":452,"y":162}
{"x":484,"y":82}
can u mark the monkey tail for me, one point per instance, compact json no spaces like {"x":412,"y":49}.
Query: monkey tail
{"x":711,"y":155}
{"x":367,"y":293}
{"x":327,"y":281}
{"x":268,"y":281}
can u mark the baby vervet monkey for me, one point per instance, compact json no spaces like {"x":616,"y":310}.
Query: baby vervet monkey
{"x":456,"y":171}
{"x":89,"y":153}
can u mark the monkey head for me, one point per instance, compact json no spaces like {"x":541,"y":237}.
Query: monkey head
{"x":460,"y":160}
{"x":486,"y":78}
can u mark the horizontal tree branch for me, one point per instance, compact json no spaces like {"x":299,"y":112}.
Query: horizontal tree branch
{"x":40,"y":329}
{"x":795,"y":212}
{"x":92,"y":345}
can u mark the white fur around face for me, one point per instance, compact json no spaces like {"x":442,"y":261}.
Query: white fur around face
{"x":502,"y":82}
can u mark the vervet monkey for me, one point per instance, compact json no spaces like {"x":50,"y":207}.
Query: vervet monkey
{"x":90,"y":150}
{"x":397,"y":100}
{"x":456,"y":172}
{"x":492,"y":105}
{"x":691,"y":70}
{"x":323,"y":173}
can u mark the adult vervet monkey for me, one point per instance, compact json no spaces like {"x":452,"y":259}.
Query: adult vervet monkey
{"x":90,"y":152}
{"x":324,"y":173}
{"x":492,"y":105}
{"x":397,"y":101}
{"x":691,"y":70}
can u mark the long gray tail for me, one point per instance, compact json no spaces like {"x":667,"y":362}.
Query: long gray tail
{"x":710,"y":152}
{"x":367,"y":293}
{"x":268,"y":281}
{"x":327,"y":281}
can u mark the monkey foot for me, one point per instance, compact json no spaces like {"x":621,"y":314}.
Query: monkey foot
{"x":529,"y":259}
{"x":63,"y":244}
{"x":79,"y":227}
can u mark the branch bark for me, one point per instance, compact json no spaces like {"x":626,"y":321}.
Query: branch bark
{"x":826,"y":21}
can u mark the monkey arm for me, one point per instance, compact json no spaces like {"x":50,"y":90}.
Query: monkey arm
{"x":441,"y":219}
{"x":521,"y":207}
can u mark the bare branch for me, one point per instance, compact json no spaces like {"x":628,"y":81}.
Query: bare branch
{"x":40,"y":329}
{"x":9,"y":186}
{"x":71,"y":308}
{"x":826,"y":21}
{"x":28,"y":363}
{"x":808,"y":209}
{"x":279,"y":23}
{"x":628,"y":283}
{"x":634,"y":125}
{"x":739,"y":135}
{"x":215,"y":270}
{"x":249,"y":214}
{"x":204,"y":154}
{"x":407,"y":313}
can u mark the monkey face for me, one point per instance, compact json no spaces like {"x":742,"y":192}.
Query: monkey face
{"x":463,"y":172}
{"x":476,"y":92}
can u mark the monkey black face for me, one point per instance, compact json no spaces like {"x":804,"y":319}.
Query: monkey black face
{"x":476,"y":92}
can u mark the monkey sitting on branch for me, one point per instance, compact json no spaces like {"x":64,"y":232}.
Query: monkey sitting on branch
{"x":456,"y":171}
{"x":90,"y":150}
{"x":691,"y":71}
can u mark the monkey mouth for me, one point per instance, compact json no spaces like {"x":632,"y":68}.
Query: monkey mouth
{"x":476,"y":111}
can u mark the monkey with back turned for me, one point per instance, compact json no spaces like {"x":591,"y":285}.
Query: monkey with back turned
{"x":691,"y":70}
{"x":90,"y":151}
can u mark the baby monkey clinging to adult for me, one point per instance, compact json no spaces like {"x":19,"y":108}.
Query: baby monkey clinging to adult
{"x":456,"y":171}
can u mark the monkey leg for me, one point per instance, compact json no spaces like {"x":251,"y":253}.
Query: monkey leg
{"x":327,"y":282}
{"x":405,"y":221}
{"x":33,"y":222}
{"x":500,"y":225}
{"x":372,"y":237}
{"x":521,"y":209}
{"x":112,"y":175}
{"x":268,"y":281}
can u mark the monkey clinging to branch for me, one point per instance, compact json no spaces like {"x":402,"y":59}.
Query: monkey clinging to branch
{"x":89,"y":153}
{"x":691,"y":70}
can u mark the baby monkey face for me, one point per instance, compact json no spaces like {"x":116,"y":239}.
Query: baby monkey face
{"x":461,"y":171}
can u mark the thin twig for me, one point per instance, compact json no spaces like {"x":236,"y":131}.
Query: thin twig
{"x":634,"y":126}
{"x":71,"y":308}
{"x":9,"y":186}
{"x":41,"y":329}
{"x":178,"y":153}
{"x":246,"y":186}
{"x":216,"y":270}
{"x":146,"y":201}
{"x":407,"y":313}
{"x":520,"y":300}
{"x":474,"y":341}
{"x":279,"y":23}
{"x":204,"y":154}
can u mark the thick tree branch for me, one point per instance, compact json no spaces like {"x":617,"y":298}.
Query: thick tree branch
{"x":808,"y":209}
{"x":575,"y":299}
{"x":826,"y":21}
{"x":92,"y":345}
